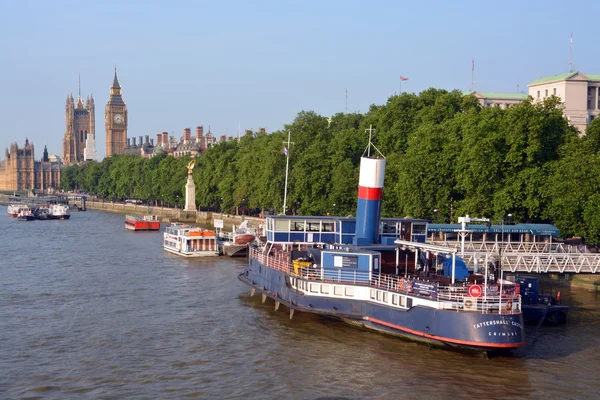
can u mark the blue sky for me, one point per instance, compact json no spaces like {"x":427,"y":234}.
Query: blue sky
{"x":258,"y":63}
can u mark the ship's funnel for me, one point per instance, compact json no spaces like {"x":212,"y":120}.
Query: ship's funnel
{"x":370,"y":194}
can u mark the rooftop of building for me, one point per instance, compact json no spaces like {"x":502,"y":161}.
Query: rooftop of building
{"x":497,"y":95}
{"x":563,"y":77}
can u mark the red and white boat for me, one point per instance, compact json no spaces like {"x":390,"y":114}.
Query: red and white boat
{"x":142,"y":223}
{"x":14,"y":209}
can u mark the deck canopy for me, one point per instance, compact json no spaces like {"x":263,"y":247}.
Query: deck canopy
{"x":534,"y":229}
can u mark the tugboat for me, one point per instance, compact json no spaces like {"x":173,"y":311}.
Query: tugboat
{"x":188,"y":241}
{"x":379,"y":274}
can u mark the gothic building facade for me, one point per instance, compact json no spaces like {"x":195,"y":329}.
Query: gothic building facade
{"x":81,"y":129}
{"x":20,"y":171}
{"x":115,"y":120}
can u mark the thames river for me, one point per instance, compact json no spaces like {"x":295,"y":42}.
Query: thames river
{"x":90,"y":310}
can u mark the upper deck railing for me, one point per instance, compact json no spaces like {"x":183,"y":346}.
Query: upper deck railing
{"x":492,"y":297}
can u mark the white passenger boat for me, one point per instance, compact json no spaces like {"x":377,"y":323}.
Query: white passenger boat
{"x":188,"y":241}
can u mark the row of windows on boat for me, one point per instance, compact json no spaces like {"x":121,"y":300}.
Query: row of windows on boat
{"x":346,"y":226}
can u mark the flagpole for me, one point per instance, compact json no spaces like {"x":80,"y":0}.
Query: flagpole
{"x":287,"y":165}
{"x":400,"y":85}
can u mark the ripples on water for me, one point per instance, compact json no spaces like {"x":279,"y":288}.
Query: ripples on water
{"x":90,"y":310}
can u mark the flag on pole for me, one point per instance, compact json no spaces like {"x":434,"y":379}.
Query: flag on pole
{"x":285,"y":151}
{"x":403,"y":78}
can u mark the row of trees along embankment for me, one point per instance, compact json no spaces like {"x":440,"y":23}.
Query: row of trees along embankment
{"x":444,"y":152}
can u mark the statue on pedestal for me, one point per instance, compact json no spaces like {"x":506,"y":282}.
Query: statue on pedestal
{"x":190,"y":189}
{"x":190,"y":166}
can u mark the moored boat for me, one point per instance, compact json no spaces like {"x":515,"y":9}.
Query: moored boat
{"x":379,"y":274}
{"x":539,"y":308}
{"x":58,"y":211}
{"x":13,"y":209}
{"x":25,"y":214}
{"x":142,"y":222}
{"x":188,"y":241}
{"x":235,"y":243}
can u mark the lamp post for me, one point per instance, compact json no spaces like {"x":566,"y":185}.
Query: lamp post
{"x":435,"y":214}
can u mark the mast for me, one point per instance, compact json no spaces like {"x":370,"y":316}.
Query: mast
{"x":286,"y":151}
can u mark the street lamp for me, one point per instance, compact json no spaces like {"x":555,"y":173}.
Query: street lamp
{"x":435,"y":214}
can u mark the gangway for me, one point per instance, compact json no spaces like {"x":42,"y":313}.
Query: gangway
{"x":551,"y":263}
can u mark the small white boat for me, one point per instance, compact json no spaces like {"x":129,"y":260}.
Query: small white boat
{"x":188,"y":241}
{"x":58,"y":211}
{"x":25,"y":214}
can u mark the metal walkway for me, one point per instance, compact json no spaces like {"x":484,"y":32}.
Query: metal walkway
{"x":553,"y":258}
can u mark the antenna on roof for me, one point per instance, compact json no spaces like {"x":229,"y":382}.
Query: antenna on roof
{"x":473,"y":74}
{"x":571,"y":55}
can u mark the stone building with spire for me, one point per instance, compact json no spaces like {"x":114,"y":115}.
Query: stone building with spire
{"x":115,"y":120}
{"x":20,"y":171}
{"x":80,"y":131}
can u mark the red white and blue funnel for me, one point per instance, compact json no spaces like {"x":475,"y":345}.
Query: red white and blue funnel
{"x":370,"y":194}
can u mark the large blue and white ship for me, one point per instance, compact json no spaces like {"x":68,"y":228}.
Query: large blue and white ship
{"x":380,"y":274}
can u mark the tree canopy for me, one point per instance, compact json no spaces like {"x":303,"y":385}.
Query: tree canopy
{"x":444,"y":152}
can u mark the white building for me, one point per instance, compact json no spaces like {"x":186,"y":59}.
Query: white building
{"x":579,"y":92}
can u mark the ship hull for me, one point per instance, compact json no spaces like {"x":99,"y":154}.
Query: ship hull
{"x":474,"y":331}
{"x":142,"y":225}
{"x":192,"y":254}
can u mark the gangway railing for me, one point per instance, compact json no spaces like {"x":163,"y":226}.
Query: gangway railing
{"x":579,"y":263}
{"x":511,"y":247}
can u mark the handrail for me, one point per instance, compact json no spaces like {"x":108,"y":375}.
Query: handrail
{"x":447,"y":297}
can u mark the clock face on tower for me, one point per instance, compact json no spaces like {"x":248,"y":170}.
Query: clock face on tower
{"x":118,"y":118}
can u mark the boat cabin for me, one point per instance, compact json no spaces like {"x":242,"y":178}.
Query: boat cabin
{"x":339,"y":230}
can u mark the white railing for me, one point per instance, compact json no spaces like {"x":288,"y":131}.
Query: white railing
{"x":510,"y":247}
{"x":491,"y":297}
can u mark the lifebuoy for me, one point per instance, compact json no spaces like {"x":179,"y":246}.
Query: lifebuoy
{"x":509,"y":305}
{"x":558,"y":296}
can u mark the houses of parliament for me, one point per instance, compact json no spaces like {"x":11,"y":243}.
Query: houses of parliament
{"x":20,"y":171}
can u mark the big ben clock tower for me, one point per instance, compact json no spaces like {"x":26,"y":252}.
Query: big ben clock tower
{"x":115,"y":120}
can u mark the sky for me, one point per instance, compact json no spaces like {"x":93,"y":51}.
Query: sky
{"x":251,"y":64}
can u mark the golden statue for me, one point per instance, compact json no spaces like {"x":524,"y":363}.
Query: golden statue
{"x":190,"y":166}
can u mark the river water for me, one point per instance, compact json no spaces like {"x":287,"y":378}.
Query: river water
{"x":90,"y":310}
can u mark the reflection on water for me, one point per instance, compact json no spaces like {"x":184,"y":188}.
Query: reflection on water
{"x":88,"y":309}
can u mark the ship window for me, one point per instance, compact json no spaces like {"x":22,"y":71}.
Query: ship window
{"x":385,"y":297}
{"x":350,"y":291}
{"x":325,"y":289}
{"x":327,"y":226}
{"x":379,"y":295}
{"x":282,"y":225}
{"x":403,"y":301}
{"x":314,"y":226}
{"x":297,"y":226}
{"x":314,"y":288}
{"x":388,"y":227}
{"x":419,"y":228}
{"x":373,"y":294}
{"x":395,"y":299}
{"x":338,"y":290}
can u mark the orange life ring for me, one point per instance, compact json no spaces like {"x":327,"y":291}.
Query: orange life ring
{"x":509,"y":305}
